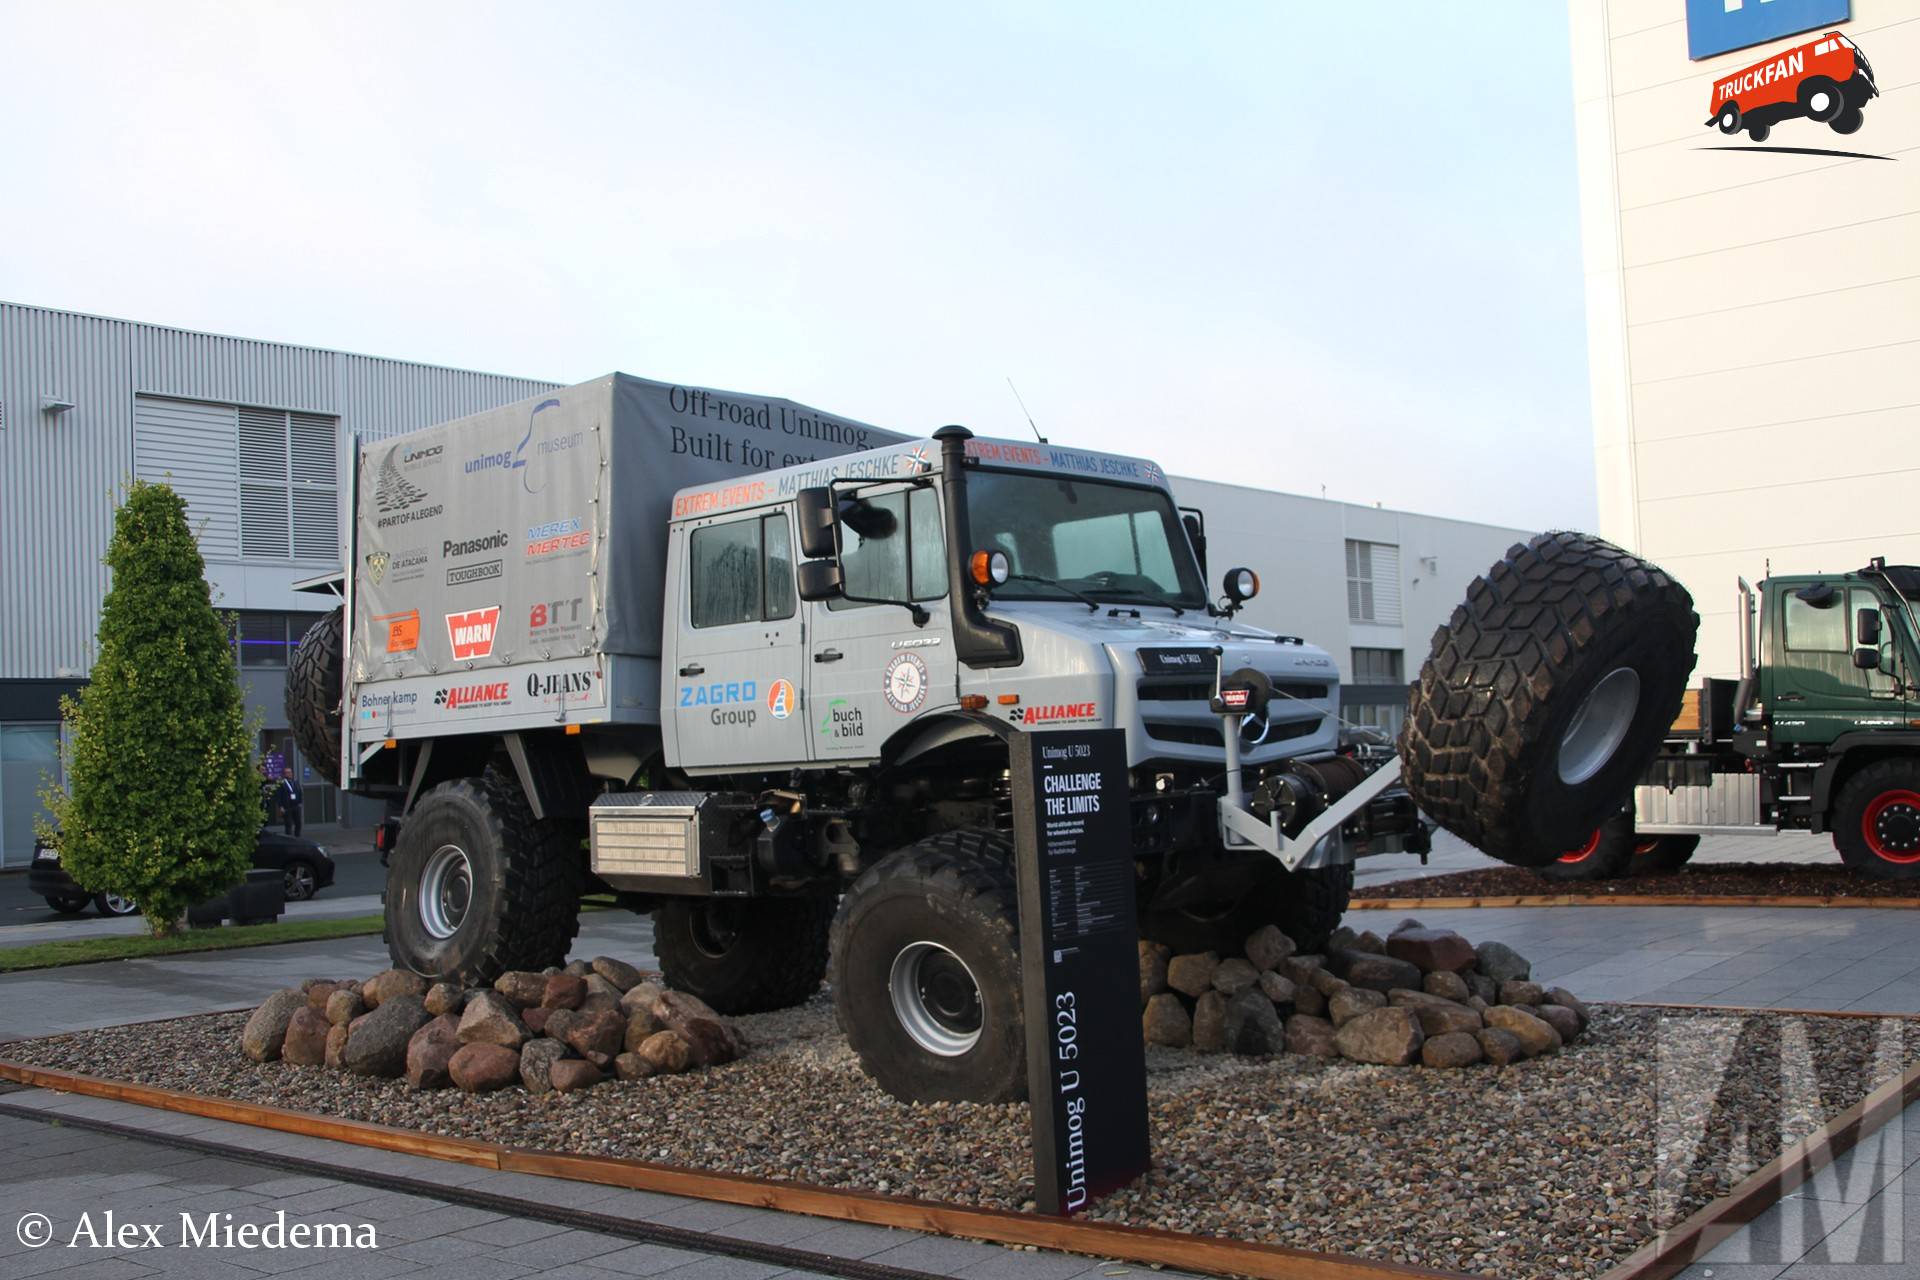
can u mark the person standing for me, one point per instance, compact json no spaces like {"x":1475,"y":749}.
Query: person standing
{"x":291,"y":800}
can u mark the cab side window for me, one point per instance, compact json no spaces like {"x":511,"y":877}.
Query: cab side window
{"x":1811,"y":630}
{"x":741,"y":571}
{"x":892,"y":548}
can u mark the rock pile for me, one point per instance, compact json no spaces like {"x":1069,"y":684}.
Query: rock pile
{"x":561,"y":1030}
{"x":1419,"y":995}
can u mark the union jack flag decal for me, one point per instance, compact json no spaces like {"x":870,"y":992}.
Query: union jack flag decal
{"x":918,"y":456}
{"x":1153,"y":472}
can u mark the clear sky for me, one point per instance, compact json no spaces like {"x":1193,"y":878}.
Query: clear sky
{"x":1286,"y":244}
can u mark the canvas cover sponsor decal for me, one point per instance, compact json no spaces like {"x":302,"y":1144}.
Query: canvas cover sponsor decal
{"x":558,"y":538}
{"x":560,"y":688}
{"x":906,"y":682}
{"x":470,"y":632}
{"x":461,"y":575}
{"x":550,"y":620}
{"x":381,"y":706}
{"x":377,"y":566}
{"x":397,"y":498}
{"x":466,"y":697}
{"x":403,"y":630}
{"x":781,"y":699}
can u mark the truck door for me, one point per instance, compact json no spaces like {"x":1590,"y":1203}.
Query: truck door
{"x":871,"y":669}
{"x":1817,"y":692}
{"x":736,"y":690}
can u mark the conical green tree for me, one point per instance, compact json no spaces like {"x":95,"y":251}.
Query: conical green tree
{"x":162,"y":804}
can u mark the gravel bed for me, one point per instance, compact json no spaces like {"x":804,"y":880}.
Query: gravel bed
{"x":1543,"y":1169}
{"x":1730,"y":879}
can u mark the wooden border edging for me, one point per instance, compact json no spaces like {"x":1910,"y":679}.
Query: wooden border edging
{"x":1621,"y":900}
{"x":1143,"y":1245}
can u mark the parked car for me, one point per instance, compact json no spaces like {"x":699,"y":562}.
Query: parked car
{"x":305,"y":865}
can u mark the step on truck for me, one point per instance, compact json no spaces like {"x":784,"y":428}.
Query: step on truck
{"x":1820,"y":733}
{"x":755,"y":669}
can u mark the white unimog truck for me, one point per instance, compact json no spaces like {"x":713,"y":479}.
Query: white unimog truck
{"x":755,"y":669}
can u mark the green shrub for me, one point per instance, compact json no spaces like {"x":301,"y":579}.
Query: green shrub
{"x":162,"y":802}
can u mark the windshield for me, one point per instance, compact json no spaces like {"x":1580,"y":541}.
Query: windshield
{"x":1114,"y":542}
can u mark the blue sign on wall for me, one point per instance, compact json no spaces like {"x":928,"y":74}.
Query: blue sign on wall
{"x":1715,"y":26}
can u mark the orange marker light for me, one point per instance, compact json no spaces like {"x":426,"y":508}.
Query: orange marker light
{"x":973,"y":701}
{"x":1009,"y":699}
{"x":979,"y":568}
{"x":573,"y":728}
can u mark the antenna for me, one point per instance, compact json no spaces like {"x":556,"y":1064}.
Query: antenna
{"x":1023,"y":409}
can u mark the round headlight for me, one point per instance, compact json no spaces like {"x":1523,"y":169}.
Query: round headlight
{"x":1242,"y":584}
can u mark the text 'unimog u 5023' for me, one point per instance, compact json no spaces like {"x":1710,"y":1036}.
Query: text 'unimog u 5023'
{"x":755,"y":669}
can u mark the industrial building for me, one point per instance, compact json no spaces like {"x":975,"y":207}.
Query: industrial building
{"x":255,"y":436}
{"x":1753,"y":295}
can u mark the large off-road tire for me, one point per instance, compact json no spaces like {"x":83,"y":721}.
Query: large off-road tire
{"x":1661,"y":855}
{"x":315,"y":681}
{"x":1607,"y":854}
{"x":1307,"y":906}
{"x":926,"y":971}
{"x":477,"y":885}
{"x":1545,"y":695}
{"x":1876,"y":823}
{"x":744,"y":955}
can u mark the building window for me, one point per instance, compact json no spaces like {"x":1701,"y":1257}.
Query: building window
{"x":1373,"y":582}
{"x":29,"y":757}
{"x":1378,"y":666}
{"x":289,"y":500}
{"x":1387,"y":716}
{"x":266,"y":639}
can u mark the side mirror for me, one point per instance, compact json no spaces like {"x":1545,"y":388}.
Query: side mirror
{"x":819,"y":579}
{"x":1241,"y":585}
{"x":813,"y":510}
{"x":1866,"y":627}
{"x":1196,"y":527}
{"x":1867,"y":659}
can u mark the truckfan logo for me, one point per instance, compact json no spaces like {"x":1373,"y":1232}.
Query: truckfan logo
{"x":464,"y":696}
{"x":1827,"y":81}
{"x":471,"y":633}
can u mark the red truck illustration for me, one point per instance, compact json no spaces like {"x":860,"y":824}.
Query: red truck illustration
{"x":1827,"y":80}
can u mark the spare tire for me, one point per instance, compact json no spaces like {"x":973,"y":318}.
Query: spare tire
{"x":315,"y":680}
{"x":1545,"y":695}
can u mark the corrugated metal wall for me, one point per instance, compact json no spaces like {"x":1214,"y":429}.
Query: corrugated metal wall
{"x":58,"y":474}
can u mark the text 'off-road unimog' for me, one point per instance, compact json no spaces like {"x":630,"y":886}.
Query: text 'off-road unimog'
{"x":755,"y":668}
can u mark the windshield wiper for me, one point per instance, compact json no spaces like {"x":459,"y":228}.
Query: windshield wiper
{"x":1141,"y":597}
{"x":1087,"y":600}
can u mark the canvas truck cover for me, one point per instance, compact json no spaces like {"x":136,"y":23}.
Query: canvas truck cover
{"x":537,"y":532}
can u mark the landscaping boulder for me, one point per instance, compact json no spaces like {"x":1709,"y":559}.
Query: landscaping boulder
{"x":1234,"y":976}
{"x":1210,"y":1022}
{"x":1341,"y":939}
{"x":601,"y":1032}
{"x":1481,"y":987}
{"x":306,"y":1040}
{"x":490,"y":1018}
{"x":1351,"y":1002}
{"x":1450,"y":1049}
{"x":535,"y":1019}
{"x":1387,"y":1037}
{"x":336,"y":1047}
{"x":1166,"y":1022}
{"x":710,"y":1037}
{"x":1448,"y":986}
{"x":431,"y":1050}
{"x":1379,"y":972}
{"x":445,"y":997}
{"x":665,"y":1051}
{"x":631,"y":1066}
{"x":344,"y":1005}
{"x":1520,"y":991}
{"x":266,"y":1029}
{"x":564,"y":991}
{"x":599,"y":988}
{"x":377,"y":1041}
{"x":389,"y":983}
{"x":1308,"y":1000}
{"x":1253,"y":1027}
{"x":1446,"y":1019}
{"x":570,"y":1074}
{"x":1278,"y":989}
{"x":1299,"y":970}
{"x":1369,"y":942}
{"x":1432,"y":950}
{"x":1191,"y":975}
{"x":1153,"y":969}
{"x":1501,"y":962}
{"x":483,"y":1067}
{"x":525,"y":989}
{"x":1535,"y":1037}
{"x":318,"y":993}
{"x":1311,"y":1036}
{"x":1499,"y":1047}
{"x":536,"y":1063}
{"x":1267,"y":947}
{"x":1567,"y":1000}
{"x":641,"y":996}
{"x":1559,"y":1017}
{"x":621,"y":974}
{"x":1327,"y":982}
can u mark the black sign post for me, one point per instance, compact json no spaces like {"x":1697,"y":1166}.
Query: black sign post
{"x":1086,"y":1064}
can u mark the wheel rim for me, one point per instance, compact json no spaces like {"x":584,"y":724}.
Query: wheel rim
{"x":1820,"y":102}
{"x":118,"y":905}
{"x":1646,"y":846}
{"x":1891,"y":826}
{"x":1599,"y":725}
{"x":446,"y":890}
{"x":1585,"y":851}
{"x":299,"y":881}
{"x":715,"y":927}
{"x":936,"y":998}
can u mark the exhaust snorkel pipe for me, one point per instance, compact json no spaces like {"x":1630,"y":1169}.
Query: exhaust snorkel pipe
{"x":978,"y":641}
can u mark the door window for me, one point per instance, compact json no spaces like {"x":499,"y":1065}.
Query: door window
{"x":742,"y":571}
{"x":892,"y":547}
{"x":1811,"y":630}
